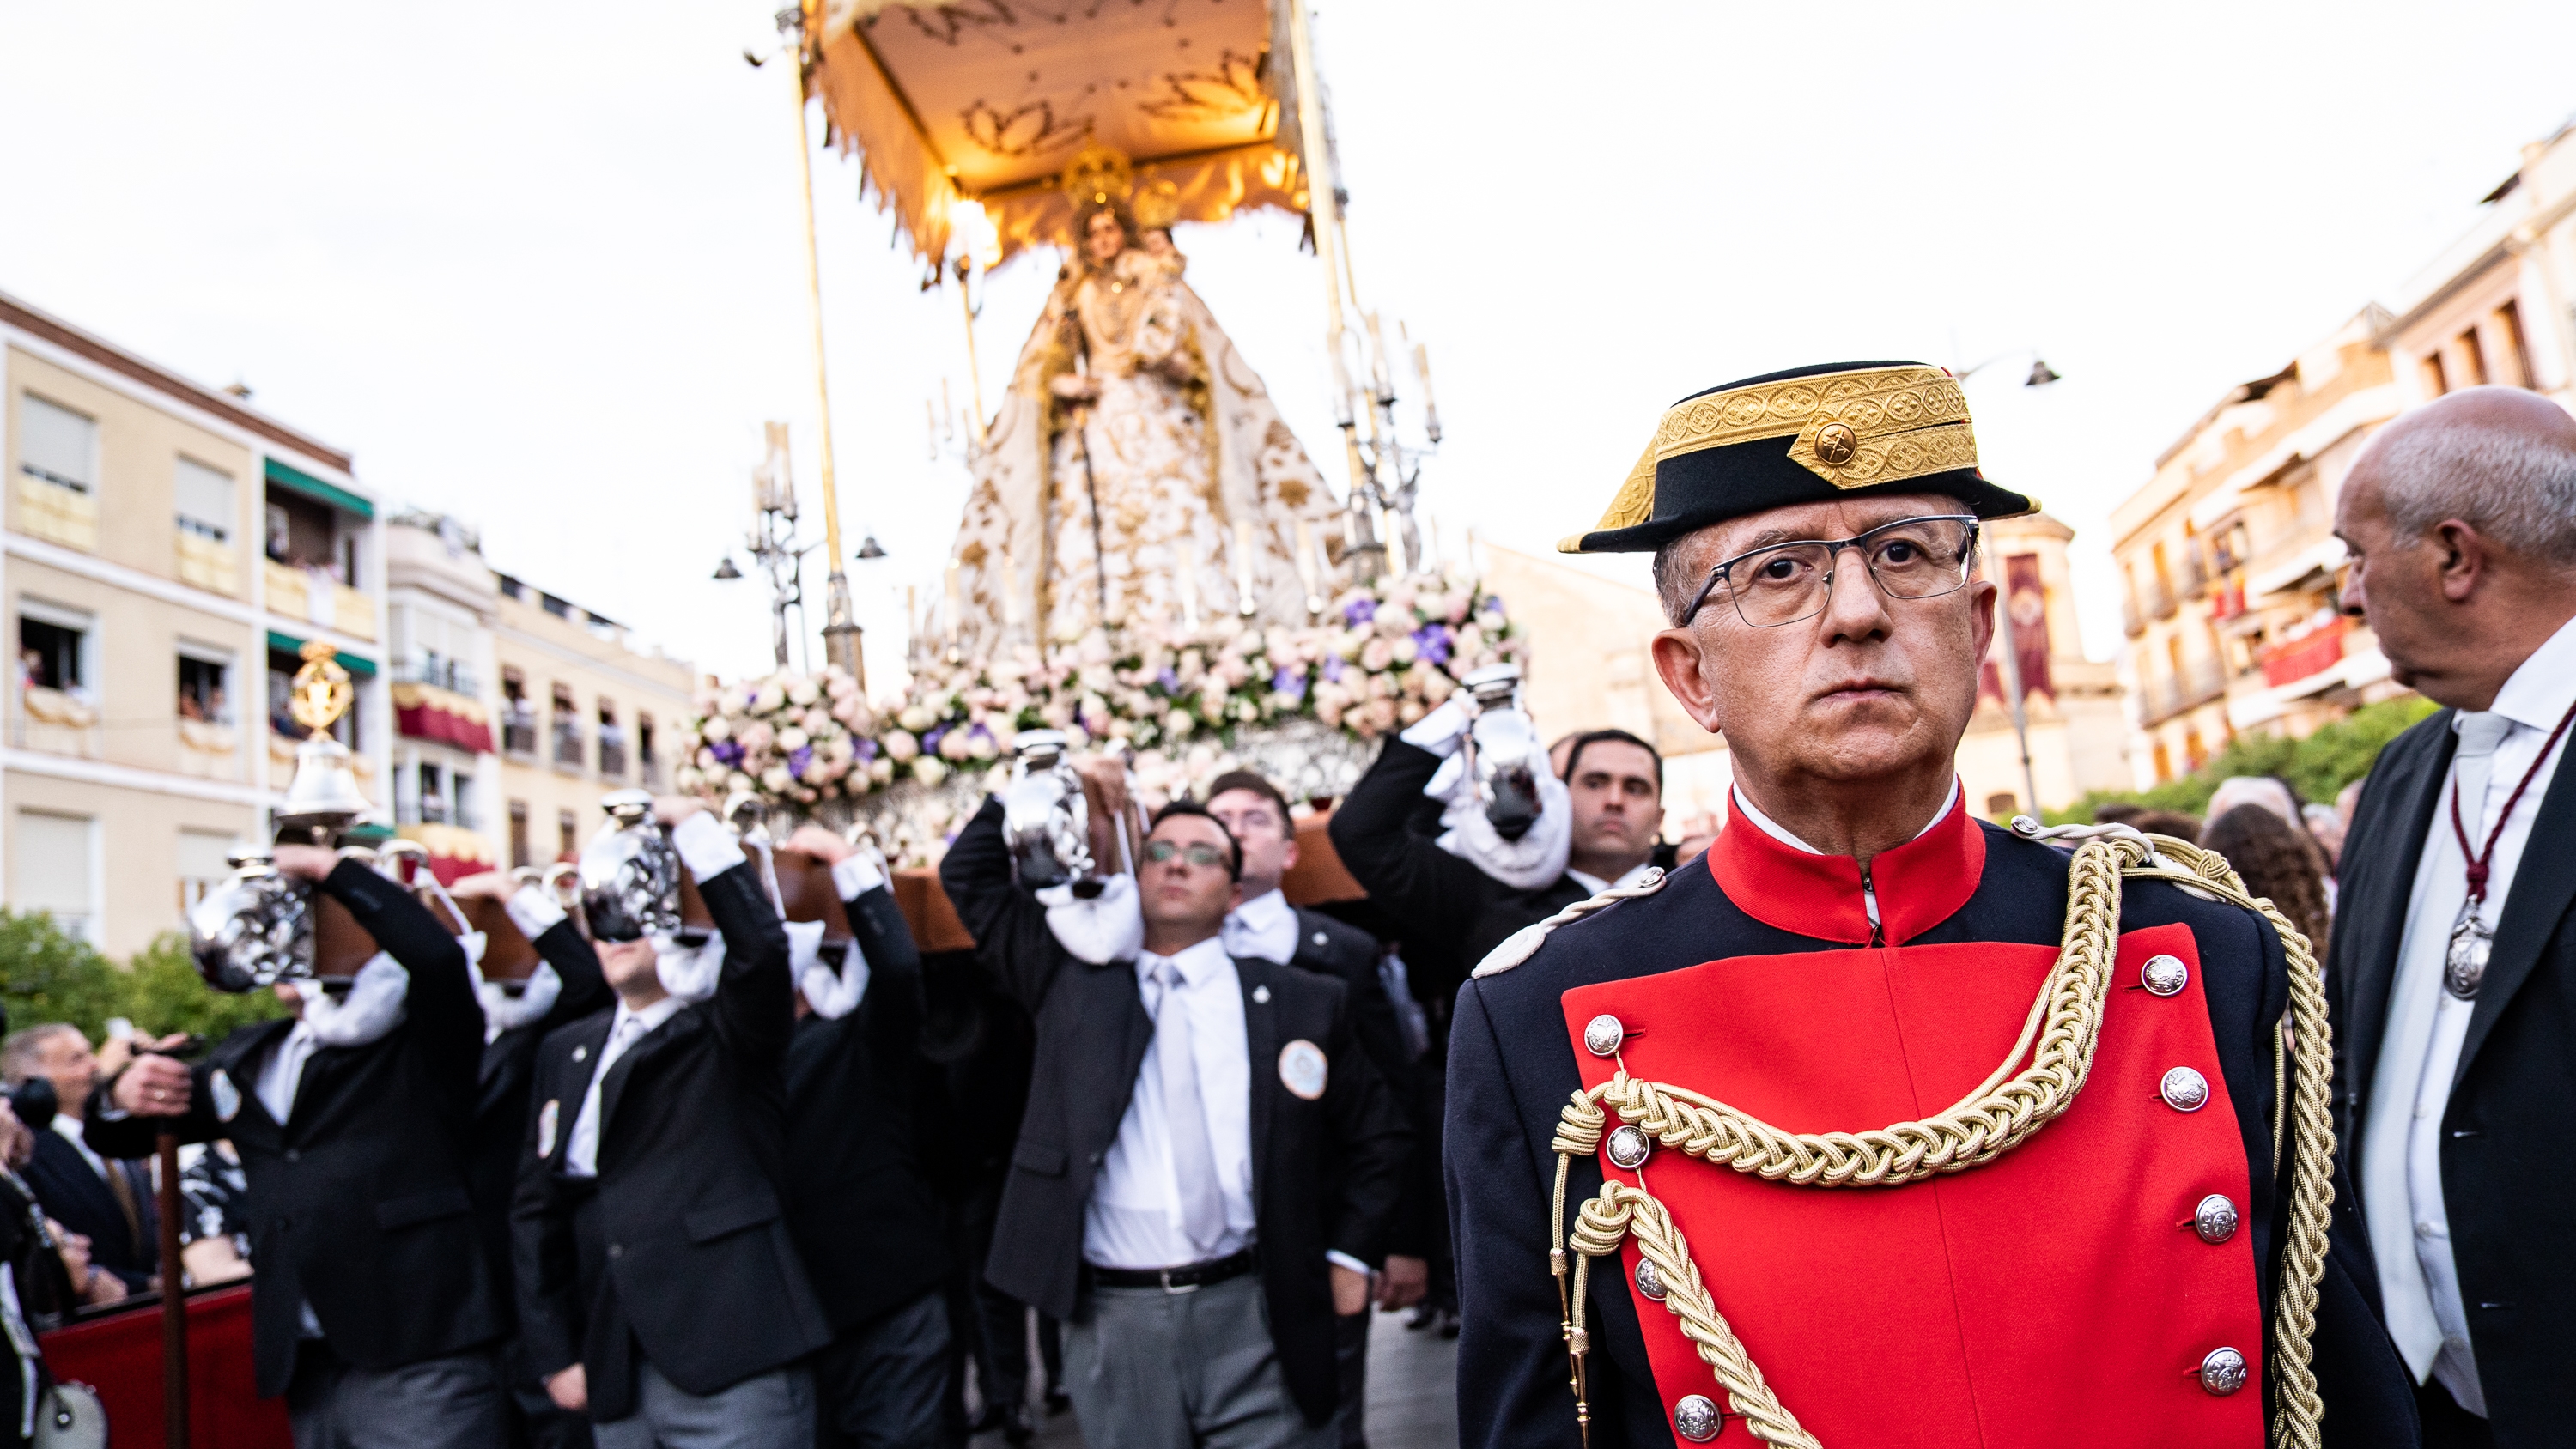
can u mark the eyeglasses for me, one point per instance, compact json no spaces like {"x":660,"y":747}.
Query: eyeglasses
{"x":1206,"y":857}
{"x":1912,"y":558}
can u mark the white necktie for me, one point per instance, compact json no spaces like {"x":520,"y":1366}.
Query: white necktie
{"x":581,"y":1154}
{"x":1185,"y":1116}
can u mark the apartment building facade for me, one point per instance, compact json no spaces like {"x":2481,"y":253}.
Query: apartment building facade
{"x":167,"y":550}
{"x":2499,"y":304}
{"x":2229,"y":565}
{"x":580,"y":711}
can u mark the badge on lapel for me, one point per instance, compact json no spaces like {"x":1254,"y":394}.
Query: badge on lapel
{"x":1302,"y":1068}
{"x":547,"y":1116}
{"x":219,"y":1085}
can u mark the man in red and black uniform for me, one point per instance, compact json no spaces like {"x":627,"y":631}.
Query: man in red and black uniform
{"x":1855,"y":952}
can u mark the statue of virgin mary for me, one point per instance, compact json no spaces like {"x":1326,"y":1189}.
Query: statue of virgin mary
{"x":1138,"y":471}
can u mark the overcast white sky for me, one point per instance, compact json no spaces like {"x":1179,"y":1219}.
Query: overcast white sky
{"x":537,"y":265}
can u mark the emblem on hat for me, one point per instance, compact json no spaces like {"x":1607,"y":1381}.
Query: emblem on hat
{"x":1302,"y":1069}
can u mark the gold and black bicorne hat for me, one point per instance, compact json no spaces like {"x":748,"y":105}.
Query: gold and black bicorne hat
{"x":1807,"y":435}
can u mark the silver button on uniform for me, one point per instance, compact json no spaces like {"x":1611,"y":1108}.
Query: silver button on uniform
{"x":2223,"y":1372}
{"x":2214,"y":1219}
{"x":2164,"y":975}
{"x":1696,"y":1418}
{"x":1650,"y":1282}
{"x":1602,"y":1035}
{"x":2184,"y":1090}
{"x":1628,"y":1146}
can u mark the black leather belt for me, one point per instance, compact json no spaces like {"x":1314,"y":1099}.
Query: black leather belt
{"x":1177,"y":1280}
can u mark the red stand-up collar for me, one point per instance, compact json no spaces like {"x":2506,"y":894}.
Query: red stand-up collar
{"x":1920,"y":883}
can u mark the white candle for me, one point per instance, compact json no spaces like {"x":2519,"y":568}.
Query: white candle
{"x":1243,"y":567}
{"x":1430,"y":408}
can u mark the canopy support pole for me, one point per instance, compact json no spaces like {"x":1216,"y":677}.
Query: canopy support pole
{"x":840,"y":630}
{"x":1362,"y":551}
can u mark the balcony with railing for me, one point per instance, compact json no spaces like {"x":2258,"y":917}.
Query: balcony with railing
{"x":2132,"y":623}
{"x":2195,"y":574}
{"x":2160,"y":602}
{"x":648,"y":769}
{"x":569,"y":754}
{"x":439,"y":672}
{"x":2203,"y":680}
{"x":317,"y":598}
{"x":612,"y":751}
{"x":2311,"y":653}
{"x":519,"y":729}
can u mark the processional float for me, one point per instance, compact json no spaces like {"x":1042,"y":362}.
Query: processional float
{"x":1150,"y":562}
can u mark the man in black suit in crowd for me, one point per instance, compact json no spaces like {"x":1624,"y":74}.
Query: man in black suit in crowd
{"x":565,"y":986}
{"x":862,"y":1211}
{"x":2454,"y":961}
{"x":659,"y":1287}
{"x":1450,"y":911}
{"x":105,"y":1200}
{"x":374,"y":1309}
{"x":1266,"y":926}
{"x":1207,"y":1164}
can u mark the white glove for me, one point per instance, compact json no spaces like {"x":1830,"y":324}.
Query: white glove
{"x":688,"y":973}
{"x":1108,"y":927}
{"x":1529,"y":863}
{"x":1441,"y":730}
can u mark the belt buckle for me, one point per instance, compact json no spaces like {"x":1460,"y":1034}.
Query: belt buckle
{"x":1175,"y":1289}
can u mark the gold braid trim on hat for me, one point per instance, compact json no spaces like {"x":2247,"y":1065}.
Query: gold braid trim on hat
{"x":2065,"y":1022}
{"x":1853,"y":429}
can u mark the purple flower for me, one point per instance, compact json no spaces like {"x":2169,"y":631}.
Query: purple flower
{"x":1169,"y":680}
{"x":1358,"y":612}
{"x":930,"y":739}
{"x":979,"y":732}
{"x":1431,"y":642}
{"x":1493,"y":603}
{"x":798,"y":758}
{"x":1332,"y":669}
{"x":866,"y":751}
{"x":727,"y":751}
{"x":1285,"y":680}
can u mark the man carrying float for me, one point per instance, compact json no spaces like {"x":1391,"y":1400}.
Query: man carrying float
{"x":1879,"y":1124}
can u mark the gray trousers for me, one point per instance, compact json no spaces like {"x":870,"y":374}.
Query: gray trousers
{"x":439,"y":1403}
{"x":1194,"y":1370}
{"x":774,"y":1410}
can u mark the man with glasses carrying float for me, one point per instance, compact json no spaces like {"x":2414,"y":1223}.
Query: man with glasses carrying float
{"x":1207,"y":1165}
{"x":1878,"y":1123}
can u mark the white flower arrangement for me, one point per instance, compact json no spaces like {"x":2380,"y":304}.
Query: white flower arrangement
{"x":1381,"y":657}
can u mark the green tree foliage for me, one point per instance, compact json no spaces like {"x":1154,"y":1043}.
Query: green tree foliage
{"x":2318,"y":766}
{"x":47,"y":975}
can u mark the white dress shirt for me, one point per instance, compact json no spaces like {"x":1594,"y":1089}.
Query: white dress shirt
{"x":1134,"y":1217}
{"x":1264,"y":928}
{"x":581,"y":1149}
{"x":2401,"y":1147}
{"x":1634,"y":875}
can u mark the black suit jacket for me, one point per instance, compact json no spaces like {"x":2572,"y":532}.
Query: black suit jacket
{"x":856,"y":1197}
{"x":78,"y":1198}
{"x":679,"y":1248}
{"x":1511,"y":1070}
{"x":1325,"y":1173}
{"x":1349,"y":955}
{"x":358,"y":1202}
{"x":509,"y":1072}
{"x":2509,"y":1131}
{"x":1448,"y":912}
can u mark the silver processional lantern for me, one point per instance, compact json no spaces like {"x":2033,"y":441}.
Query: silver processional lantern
{"x":630,"y":873}
{"x":1505,"y":755}
{"x":1045,"y":818}
{"x":255,"y":927}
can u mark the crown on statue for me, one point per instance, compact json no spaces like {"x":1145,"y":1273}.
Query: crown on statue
{"x":1098,"y":176}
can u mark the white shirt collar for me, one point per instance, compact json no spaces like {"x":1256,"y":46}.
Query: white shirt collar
{"x":1264,"y":927}
{"x":1780,"y":833}
{"x":2542,"y":687}
{"x":651,"y":1017}
{"x":1197,"y":963}
{"x":1597,"y":885}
